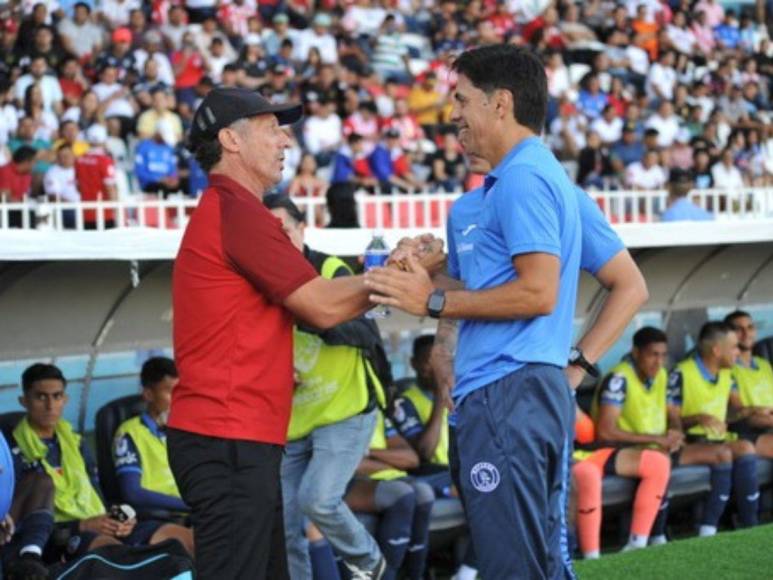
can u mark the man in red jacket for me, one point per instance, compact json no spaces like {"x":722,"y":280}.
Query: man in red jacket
{"x":238,"y":284}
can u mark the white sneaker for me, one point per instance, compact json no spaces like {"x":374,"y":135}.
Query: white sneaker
{"x":660,"y":540}
{"x":376,"y":573}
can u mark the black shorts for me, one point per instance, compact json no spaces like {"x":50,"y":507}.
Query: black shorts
{"x":77,"y":545}
{"x":749,"y":432}
{"x":609,"y":466}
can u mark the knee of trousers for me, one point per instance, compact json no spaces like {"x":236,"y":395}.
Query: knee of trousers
{"x":424,"y":493}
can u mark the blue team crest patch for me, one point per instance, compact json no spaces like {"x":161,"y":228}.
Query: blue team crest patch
{"x":484,"y":477}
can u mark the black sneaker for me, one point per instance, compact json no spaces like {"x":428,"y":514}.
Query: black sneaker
{"x":27,"y":567}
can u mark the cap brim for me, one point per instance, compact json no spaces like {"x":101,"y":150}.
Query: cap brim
{"x":286,"y":114}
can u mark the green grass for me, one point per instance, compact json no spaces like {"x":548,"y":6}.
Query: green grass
{"x":726,"y":556}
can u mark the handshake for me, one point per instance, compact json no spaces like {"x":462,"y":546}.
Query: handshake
{"x":406,"y":281}
{"x":425,"y":250}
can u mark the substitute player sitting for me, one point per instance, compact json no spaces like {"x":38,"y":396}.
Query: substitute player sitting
{"x":753,"y":403}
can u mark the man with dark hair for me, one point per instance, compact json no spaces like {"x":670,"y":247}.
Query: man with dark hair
{"x":336,"y":394}
{"x":753,"y":403}
{"x":16,"y":181}
{"x":238,"y":284}
{"x":515,"y":409}
{"x":631,"y":415}
{"x":46,"y":443}
{"x":700,"y":388}
{"x":140,"y":455}
{"x":420,"y":414}
{"x":680,"y":208}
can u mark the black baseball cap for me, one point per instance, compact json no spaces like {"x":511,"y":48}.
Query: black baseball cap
{"x":225,"y":105}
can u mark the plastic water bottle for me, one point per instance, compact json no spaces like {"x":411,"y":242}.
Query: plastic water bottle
{"x":376,"y":256}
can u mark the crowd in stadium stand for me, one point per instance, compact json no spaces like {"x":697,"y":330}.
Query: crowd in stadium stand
{"x":96,"y":97}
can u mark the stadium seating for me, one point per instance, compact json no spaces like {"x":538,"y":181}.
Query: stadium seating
{"x":109,"y":418}
{"x":764,"y":348}
{"x":8,"y":422}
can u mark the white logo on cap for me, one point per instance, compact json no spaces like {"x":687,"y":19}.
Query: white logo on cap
{"x":484,"y":477}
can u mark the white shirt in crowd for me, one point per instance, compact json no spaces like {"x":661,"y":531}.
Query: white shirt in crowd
{"x":165,"y":71}
{"x":682,"y":38}
{"x":639,"y":177}
{"x":609,"y":132}
{"x":322,"y":133}
{"x":59,"y":182}
{"x":325,"y":43}
{"x":638,"y":59}
{"x":664,"y":79}
{"x":9,"y":122}
{"x":117,"y":12}
{"x":667,"y":128}
{"x":364,"y":19}
{"x":49,"y":88}
{"x":726,"y":176}
{"x":120,"y":107}
{"x":85,"y":37}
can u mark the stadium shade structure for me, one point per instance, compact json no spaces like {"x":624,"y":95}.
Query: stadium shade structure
{"x":97,"y":302}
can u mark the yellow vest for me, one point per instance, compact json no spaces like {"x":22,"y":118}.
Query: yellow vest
{"x":423,"y":406}
{"x":379,"y":442}
{"x":74,"y":497}
{"x":332,"y":384}
{"x":644,"y":409}
{"x":755,"y":385}
{"x":700,"y":396}
{"x":156,"y":474}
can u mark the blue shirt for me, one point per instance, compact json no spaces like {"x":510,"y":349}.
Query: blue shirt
{"x":529,"y":205}
{"x":153,"y":162}
{"x":592,"y":105}
{"x":461,"y":225}
{"x":685,"y":210}
{"x":600,"y":243}
{"x":728,"y":35}
{"x":628,"y":153}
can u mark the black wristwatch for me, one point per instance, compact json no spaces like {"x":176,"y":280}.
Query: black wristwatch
{"x":436,"y":302}
{"x":576,"y":358}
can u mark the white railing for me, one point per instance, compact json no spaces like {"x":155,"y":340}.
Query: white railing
{"x":385,"y":212}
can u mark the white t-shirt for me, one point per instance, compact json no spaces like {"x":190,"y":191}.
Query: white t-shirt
{"x":49,"y":87}
{"x":667,"y":128}
{"x":325,"y":43}
{"x":662,"y":77}
{"x":682,"y":38}
{"x":165,"y":71}
{"x":638,"y":59}
{"x":639,"y":177}
{"x":609,"y":132}
{"x":9,"y":122}
{"x":364,"y":20}
{"x":119,"y":107}
{"x":117,"y":12}
{"x":319,"y":133}
{"x":60,"y":182}
{"x":726,"y":176}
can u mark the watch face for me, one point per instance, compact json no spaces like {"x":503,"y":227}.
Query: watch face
{"x":574,"y":355}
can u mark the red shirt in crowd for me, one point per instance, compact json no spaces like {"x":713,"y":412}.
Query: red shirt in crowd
{"x":18,"y":184}
{"x":93,"y":171}
{"x":233,"y":339}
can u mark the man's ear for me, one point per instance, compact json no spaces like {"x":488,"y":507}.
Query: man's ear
{"x":229,"y":139}
{"x":503,"y":102}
